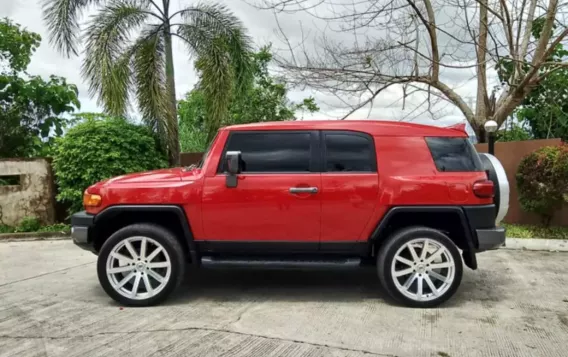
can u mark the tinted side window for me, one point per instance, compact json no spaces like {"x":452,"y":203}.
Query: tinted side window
{"x":454,"y":154}
{"x":349,"y":152}
{"x":272,"y":151}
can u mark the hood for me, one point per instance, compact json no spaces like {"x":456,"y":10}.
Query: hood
{"x":148,"y":176}
{"x":163,"y":176}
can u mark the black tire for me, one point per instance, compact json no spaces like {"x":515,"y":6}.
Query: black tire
{"x":161,"y":235}
{"x":386,"y":255}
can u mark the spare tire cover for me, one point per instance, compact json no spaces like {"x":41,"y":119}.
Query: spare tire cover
{"x":496,"y":173}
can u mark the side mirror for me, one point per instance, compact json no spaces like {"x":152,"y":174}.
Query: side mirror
{"x":233,"y":160}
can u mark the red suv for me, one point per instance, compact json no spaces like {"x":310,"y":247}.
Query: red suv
{"x":336,"y":194}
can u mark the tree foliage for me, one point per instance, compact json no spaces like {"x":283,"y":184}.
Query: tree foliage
{"x":542,"y":181}
{"x":265,"y":99}
{"x":513,"y":131}
{"x":128,"y":53}
{"x":98,"y":148}
{"x":545,"y":109}
{"x":31,"y":108}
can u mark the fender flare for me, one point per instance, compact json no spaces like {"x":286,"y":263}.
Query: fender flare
{"x":468,"y":255}
{"x":111,"y":211}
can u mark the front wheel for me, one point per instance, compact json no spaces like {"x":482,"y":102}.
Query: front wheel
{"x":420,"y":267}
{"x":140,"y":265}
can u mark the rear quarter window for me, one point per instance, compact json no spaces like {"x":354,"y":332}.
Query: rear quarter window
{"x":454,"y":154}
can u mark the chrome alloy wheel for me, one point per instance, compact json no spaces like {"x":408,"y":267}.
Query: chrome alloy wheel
{"x":423,"y":269}
{"x":138,"y":268}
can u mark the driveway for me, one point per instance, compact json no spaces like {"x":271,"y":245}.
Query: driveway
{"x":51,"y":305}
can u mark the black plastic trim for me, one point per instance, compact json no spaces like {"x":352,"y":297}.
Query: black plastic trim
{"x":471,"y":240}
{"x":110,"y":211}
{"x":82,"y":219}
{"x":361,"y":249}
{"x":282,"y":248}
{"x":482,"y":216}
{"x":491,"y":238}
{"x":255,"y":247}
{"x":281,"y":262}
{"x":81,"y":225}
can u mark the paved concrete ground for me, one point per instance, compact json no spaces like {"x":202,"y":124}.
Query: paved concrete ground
{"x":51,"y":305}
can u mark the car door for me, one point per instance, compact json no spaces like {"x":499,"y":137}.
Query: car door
{"x":350,"y":185}
{"x":277,"y":197}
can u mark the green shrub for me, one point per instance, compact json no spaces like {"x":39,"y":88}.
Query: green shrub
{"x":6,"y":229}
{"x":98,"y":149}
{"x":542,"y":181}
{"x":28,"y":224}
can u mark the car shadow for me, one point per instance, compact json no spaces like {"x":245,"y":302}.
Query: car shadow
{"x":308,"y":285}
{"x":279,"y":285}
{"x":296,"y":285}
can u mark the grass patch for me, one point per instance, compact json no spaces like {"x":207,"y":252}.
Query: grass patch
{"x":526,"y":231}
{"x":6,"y":229}
{"x":29,"y":226}
{"x":59,"y":227}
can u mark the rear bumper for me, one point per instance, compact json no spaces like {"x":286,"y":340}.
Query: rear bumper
{"x":81,"y":227}
{"x":490,"y":238}
{"x":486,"y":235}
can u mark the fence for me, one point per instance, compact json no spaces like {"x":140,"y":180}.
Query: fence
{"x":189,"y":158}
{"x":510,"y":154}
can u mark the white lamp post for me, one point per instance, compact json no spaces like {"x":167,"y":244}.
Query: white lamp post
{"x":490,"y":128}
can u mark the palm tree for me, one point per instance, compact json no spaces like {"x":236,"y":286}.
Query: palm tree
{"x":128,"y":53}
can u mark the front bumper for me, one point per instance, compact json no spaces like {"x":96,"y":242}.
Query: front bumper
{"x":490,"y":238}
{"x":81,"y":227}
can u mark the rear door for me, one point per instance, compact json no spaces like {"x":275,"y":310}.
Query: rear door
{"x":277,"y":198}
{"x":350,"y":186}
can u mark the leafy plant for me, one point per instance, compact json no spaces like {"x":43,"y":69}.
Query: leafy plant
{"x":542,"y":181}
{"x":514,"y":132}
{"x":117,"y":64}
{"x":31,"y":108}
{"x":28,"y":224}
{"x":265,"y":99}
{"x":98,"y":149}
{"x":58,"y":227}
{"x":545,"y":109}
{"x":6,"y":229}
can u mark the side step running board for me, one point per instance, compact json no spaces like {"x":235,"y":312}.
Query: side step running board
{"x":279,"y":263}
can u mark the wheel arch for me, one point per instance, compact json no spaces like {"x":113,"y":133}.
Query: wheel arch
{"x":449,"y":219}
{"x":171,"y":217}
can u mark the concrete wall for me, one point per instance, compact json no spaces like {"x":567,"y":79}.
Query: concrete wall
{"x":34,"y":196}
{"x":510,"y":154}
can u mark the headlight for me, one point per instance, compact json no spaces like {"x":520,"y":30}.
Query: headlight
{"x":90,"y":200}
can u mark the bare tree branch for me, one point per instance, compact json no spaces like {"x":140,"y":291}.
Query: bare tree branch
{"x":367,"y":46}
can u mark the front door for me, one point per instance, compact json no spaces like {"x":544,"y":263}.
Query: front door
{"x":277,"y":197}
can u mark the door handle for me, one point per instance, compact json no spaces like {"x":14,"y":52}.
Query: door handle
{"x":311,"y":190}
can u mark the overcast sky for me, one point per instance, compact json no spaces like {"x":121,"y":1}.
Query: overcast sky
{"x":262,"y":28}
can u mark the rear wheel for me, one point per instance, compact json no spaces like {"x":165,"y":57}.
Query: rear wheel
{"x":140,"y":265}
{"x":420,"y":267}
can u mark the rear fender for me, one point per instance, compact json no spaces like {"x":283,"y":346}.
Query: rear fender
{"x":386,"y":226}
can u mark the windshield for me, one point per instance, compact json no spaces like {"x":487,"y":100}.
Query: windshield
{"x":206,"y":153}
